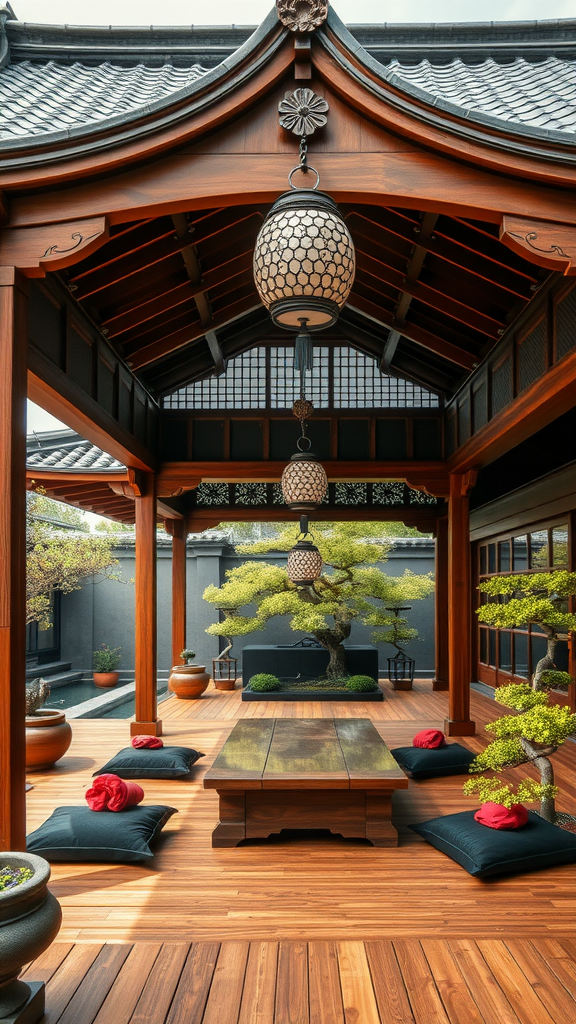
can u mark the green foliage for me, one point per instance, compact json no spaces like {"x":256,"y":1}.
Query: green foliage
{"x":520,"y":696}
{"x":490,"y":790}
{"x":500,"y":754}
{"x":350,"y":587}
{"x":188,"y":655}
{"x":262,"y":682}
{"x":59,"y":559}
{"x":55,"y":513}
{"x":555,"y":680}
{"x":361,"y":684}
{"x":550,"y":725}
{"x":538,"y":598}
{"x":106,"y":659}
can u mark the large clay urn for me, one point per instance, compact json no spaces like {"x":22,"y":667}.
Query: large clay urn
{"x":188,"y":681}
{"x":48,"y":736}
{"x":30,"y":919}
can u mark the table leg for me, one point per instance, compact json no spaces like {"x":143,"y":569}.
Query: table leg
{"x":231,"y":828}
{"x":379,"y":828}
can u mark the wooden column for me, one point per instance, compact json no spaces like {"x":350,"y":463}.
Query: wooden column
{"x":145,"y":633}
{"x":179,"y":532}
{"x":441,"y":606}
{"x":459,"y":607}
{"x":13,"y":345}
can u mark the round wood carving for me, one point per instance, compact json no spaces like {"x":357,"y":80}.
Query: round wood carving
{"x":302,"y":15}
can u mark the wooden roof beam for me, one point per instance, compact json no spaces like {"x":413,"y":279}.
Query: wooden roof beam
{"x":438,"y":300}
{"x":418,"y":335}
{"x":160,"y":349}
{"x":215,"y":352}
{"x":389,"y":350}
{"x":192,"y":265}
{"x":415,"y":264}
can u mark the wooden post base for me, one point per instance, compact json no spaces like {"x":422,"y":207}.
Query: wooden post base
{"x":146,"y":728}
{"x":459,"y":728}
{"x":439,"y":684}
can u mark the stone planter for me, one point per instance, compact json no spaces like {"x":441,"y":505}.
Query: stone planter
{"x":188,"y":682}
{"x":30,"y":919}
{"x":48,"y":736}
{"x":105,"y":679}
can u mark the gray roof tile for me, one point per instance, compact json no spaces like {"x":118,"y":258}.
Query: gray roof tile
{"x":539,"y":95}
{"x":69,"y":457}
{"x":39,"y":98}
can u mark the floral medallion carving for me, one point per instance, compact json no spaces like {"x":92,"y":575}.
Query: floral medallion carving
{"x":302,"y":112}
{"x":302,"y":15}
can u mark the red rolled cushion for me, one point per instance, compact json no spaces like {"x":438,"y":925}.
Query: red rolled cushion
{"x":429,"y":738}
{"x":152,"y":742}
{"x":497,"y":816}
{"x":110,"y":793}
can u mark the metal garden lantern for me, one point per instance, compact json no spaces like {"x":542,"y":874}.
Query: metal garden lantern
{"x":401,"y":666}
{"x":304,"y":559}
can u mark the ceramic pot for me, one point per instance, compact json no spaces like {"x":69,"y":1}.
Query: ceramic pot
{"x":105,"y":678}
{"x":30,"y":919}
{"x":225,"y":684}
{"x":188,"y":682}
{"x":48,"y":736}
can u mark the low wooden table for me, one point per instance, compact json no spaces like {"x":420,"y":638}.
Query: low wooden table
{"x":276,"y":773}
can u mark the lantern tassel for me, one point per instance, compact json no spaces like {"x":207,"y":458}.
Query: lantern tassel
{"x":303,"y":354}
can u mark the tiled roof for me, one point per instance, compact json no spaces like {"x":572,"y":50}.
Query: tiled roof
{"x":541,"y":95}
{"x":40,"y":98}
{"x":63,"y":455}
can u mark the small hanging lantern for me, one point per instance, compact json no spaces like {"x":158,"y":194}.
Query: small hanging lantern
{"x":304,"y":261}
{"x":304,"y":560}
{"x":304,"y":480}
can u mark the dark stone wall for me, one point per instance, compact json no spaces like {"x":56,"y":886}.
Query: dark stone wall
{"x":104,"y":612}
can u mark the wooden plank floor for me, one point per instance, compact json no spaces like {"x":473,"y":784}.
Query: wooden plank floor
{"x":400,"y":981}
{"x":292,"y":930}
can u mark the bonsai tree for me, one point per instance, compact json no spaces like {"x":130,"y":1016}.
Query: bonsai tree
{"x":538,"y":599}
{"x":60,"y":554}
{"x":188,"y":655}
{"x":350,"y":587}
{"x":530,"y":737}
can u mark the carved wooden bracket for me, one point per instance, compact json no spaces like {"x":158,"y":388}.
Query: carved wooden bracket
{"x":437,"y":487}
{"x":465,"y":482}
{"x":172,"y":482}
{"x":130,"y":488}
{"x":545,"y":243}
{"x":51,"y":246}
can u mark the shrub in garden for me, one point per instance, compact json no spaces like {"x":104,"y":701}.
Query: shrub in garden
{"x":361,"y":684}
{"x":264,"y":681}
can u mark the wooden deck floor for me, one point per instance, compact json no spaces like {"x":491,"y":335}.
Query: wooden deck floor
{"x":301,"y":931}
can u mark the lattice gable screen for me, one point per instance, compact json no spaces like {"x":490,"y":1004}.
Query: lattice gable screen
{"x":264,"y":378}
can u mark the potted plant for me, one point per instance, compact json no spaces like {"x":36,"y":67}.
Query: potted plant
{"x":30,"y":919}
{"x":48,"y":734}
{"x":106,"y":661}
{"x":224,"y":667}
{"x":530,"y":737}
{"x":188,"y":681}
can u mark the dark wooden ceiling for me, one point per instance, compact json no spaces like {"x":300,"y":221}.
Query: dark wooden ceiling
{"x":176,"y":296}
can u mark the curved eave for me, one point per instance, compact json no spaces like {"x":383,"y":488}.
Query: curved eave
{"x":179,"y":118}
{"x":409,"y":111}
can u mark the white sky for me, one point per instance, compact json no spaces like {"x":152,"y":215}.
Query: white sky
{"x":252,"y":12}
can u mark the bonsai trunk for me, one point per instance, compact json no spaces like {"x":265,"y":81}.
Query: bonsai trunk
{"x":332,"y":640}
{"x":537,"y":755}
{"x":547,"y":662}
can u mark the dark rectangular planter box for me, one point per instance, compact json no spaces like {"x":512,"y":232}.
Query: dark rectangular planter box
{"x":284,"y":660}
{"x":312,"y":695}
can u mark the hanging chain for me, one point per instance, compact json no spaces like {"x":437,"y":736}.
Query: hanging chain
{"x":304,"y":153}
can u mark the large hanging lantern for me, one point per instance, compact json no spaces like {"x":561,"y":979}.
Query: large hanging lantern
{"x":304,"y":560}
{"x":304,"y":480}
{"x":304,"y":260}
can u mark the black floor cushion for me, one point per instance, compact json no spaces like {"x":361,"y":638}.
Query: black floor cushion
{"x":79,"y":834}
{"x":423,"y":763}
{"x":486,"y":851}
{"x":165,"y":763}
